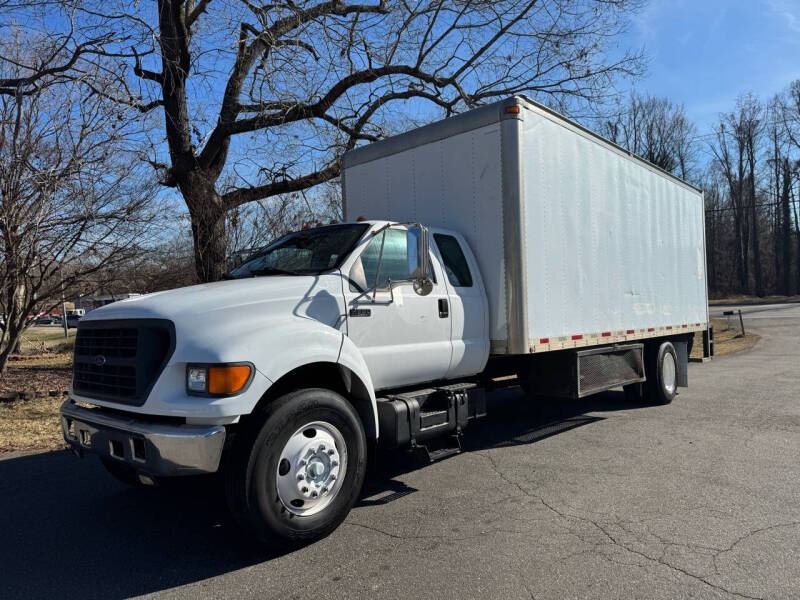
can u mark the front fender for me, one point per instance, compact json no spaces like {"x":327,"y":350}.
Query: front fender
{"x":350,"y":357}
{"x":317,"y":343}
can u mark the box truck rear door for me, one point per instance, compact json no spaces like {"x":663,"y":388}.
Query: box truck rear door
{"x":403,"y":337}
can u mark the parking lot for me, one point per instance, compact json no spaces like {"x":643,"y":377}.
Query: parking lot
{"x":592,"y":499}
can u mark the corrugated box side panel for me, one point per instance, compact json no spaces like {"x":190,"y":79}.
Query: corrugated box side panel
{"x":453,"y":183}
{"x":612,"y":244}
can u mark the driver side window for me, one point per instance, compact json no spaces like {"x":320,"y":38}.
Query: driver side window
{"x":393,"y":263}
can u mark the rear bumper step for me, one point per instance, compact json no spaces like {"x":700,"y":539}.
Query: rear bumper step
{"x":152,"y":448}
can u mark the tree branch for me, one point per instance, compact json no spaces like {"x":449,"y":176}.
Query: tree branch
{"x":196,"y":12}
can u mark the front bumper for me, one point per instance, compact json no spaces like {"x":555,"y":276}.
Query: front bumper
{"x":152,"y":448}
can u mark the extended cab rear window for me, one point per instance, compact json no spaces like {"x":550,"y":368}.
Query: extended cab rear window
{"x":455,"y":263}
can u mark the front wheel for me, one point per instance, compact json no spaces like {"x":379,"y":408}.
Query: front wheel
{"x":295,"y":478}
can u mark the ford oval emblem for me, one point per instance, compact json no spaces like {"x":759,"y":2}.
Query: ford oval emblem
{"x":100,"y":360}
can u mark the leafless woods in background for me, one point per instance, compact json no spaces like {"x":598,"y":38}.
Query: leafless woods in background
{"x":71,"y":206}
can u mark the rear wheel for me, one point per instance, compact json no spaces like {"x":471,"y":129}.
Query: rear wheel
{"x":294,"y":478}
{"x":662,"y":374}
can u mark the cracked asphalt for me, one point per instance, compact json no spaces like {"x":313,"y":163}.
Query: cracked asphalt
{"x":592,"y":499}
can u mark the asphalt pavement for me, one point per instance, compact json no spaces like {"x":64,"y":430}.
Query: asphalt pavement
{"x":593,"y":499}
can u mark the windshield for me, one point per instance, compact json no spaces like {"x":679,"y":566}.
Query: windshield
{"x":307,"y":252}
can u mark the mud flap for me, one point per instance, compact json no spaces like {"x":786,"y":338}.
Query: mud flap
{"x":682,"y":352}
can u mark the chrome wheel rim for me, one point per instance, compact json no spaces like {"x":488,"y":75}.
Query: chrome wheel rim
{"x":668,"y":372}
{"x":311,"y":468}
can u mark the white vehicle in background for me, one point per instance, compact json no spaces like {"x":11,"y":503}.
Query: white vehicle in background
{"x":505,"y":241}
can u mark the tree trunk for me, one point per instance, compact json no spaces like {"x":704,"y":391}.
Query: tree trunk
{"x":14,"y":339}
{"x":740,"y":251}
{"x":777,"y":225}
{"x":786,"y":229}
{"x":208,"y":231}
{"x":796,"y":232}
{"x":759,"y":282}
{"x":4,"y":356}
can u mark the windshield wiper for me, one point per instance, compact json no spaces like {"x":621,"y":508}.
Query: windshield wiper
{"x":271,"y":271}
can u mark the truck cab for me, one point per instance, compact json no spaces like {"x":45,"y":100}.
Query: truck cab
{"x":298,"y":344}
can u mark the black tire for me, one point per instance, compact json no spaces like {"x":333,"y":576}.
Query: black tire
{"x":251,"y":471}
{"x":122,"y":472}
{"x":661,"y":378}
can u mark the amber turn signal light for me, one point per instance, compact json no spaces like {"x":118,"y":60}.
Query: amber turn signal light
{"x":227,"y":380}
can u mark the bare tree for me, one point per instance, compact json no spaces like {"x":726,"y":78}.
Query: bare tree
{"x":657,"y":130}
{"x":70,"y":203}
{"x":261,"y":98}
{"x":63,"y":45}
{"x":789,"y":113}
{"x":737,"y":138}
{"x":785,"y":231}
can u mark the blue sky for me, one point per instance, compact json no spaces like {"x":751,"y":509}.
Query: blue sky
{"x":704,"y":53}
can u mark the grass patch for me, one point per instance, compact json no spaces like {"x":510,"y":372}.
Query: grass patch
{"x":727,"y":338}
{"x":43,"y":364}
{"x":32,"y":425}
{"x":45,"y":346}
{"x":745,"y":300}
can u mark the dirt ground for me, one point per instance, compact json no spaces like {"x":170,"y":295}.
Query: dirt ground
{"x":36,"y":379}
{"x":728,"y":338}
{"x":23,"y":378}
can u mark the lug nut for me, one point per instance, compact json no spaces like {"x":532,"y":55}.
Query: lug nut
{"x":334,"y":463}
{"x":300,"y":477}
{"x":331,"y":452}
{"x":323,"y":490}
{"x":333,"y":477}
{"x":302,"y":463}
{"x":304,"y":489}
{"x":314,"y":494}
{"x":322,"y":448}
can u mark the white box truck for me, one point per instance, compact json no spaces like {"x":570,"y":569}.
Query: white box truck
{"x":506,"y":245}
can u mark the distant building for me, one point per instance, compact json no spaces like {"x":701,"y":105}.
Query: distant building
{"x":91,"y":302}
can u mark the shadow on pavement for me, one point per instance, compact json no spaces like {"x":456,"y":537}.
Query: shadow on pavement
{"x":512,"y":420}
{"x":70,"y":530}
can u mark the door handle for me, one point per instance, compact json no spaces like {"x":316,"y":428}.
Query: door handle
{"x":444,"y":310}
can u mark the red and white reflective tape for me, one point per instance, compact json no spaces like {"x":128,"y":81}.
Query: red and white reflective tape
{"x":604,"y":337}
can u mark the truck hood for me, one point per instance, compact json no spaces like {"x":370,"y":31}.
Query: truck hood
{"x":253,"y":299}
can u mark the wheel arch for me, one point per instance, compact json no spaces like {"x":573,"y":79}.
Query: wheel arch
{"x":333,"y":376}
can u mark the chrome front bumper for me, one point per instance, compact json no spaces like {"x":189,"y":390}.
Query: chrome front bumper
{"x":151,"y":448}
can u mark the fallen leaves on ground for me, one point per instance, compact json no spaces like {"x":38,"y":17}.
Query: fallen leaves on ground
{"x":35,"y":379}
{"x":30,"y":425}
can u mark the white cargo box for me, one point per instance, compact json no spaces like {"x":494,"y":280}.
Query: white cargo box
{"x":579,"y":243}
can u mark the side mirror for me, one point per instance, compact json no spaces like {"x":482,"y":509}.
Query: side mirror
{"x":419,"y":265}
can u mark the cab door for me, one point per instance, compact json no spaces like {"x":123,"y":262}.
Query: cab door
{"x":403,"y":337}
{"x":468,"y":305}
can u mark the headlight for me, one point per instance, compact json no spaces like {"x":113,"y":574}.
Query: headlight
{"x":197,"y":379}
{"x":218,"y":380}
